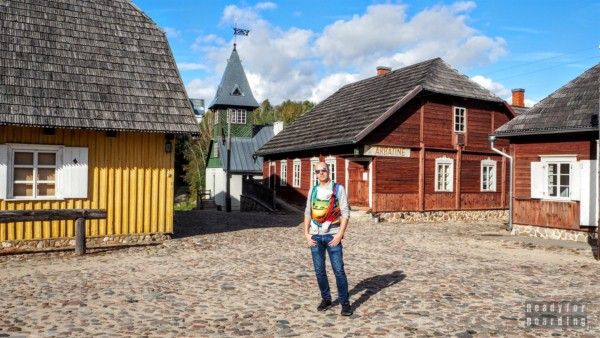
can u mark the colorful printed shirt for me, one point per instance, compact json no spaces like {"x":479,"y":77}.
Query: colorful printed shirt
{"x":317,"y":205}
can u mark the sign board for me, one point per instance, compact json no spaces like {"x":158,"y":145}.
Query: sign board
{"x":387,"y":151}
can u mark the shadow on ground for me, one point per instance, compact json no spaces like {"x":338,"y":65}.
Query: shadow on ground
{"x":202,"y":222}
{"x":372,"y":285}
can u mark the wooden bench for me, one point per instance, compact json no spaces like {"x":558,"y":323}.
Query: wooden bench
{"x":78,"y":215}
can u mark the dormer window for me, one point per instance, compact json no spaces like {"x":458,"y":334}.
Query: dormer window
{"x":236,"y":91}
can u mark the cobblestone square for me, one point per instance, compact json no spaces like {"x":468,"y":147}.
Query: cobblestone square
{"x":250,"y":274}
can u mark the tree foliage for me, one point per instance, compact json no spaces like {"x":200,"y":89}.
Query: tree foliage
{"x":195,"y":150}
{"x":287,"y":111}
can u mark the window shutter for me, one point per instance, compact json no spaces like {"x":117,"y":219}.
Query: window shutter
{"x":3,"y":170}
{"x":451,"y":175}
{"x":575,"y":181}
{"x":587,"y":183}
{"x":537,"y":180}
{"x":73,"y":174}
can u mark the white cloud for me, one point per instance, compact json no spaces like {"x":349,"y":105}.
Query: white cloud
{"x":296,"y":63}
{"x":499,"y":89}
{"x":171,"y":32}
{"x":265,"y":6}
{"x":202,"y":89}
{"x":383,"y":32}
{"x":183,"y":66}
{"x":329,"y":84}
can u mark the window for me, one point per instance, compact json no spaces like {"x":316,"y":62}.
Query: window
{"x":555,"y":177}
{"x":215,"y":149}
{"x":216,"y":117}
{"x":313,"y":166}
{"x":297,"y":174}
{"x":488,"y":175}
{"x":283,"y":173}
{"x":331,"y":166}
{"x":33,"y":174}
{"x":41,"y":172}
{"x":236,"y":116}
{"x":460,"y":122}
{"x":558,"y":179}
{"x":444,"y":174}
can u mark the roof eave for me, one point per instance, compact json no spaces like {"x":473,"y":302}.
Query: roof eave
{"x":303,"y":148}
{"x":534,"y":132}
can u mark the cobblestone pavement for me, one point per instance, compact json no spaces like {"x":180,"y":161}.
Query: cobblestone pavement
{"x":251,"y":274}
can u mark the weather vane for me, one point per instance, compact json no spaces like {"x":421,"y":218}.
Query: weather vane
{"x":239,"y":31}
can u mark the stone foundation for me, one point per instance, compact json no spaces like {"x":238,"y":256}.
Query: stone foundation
{"x":553,"y":233}
{"x":440,"y":216}
{"x":91,"y":242}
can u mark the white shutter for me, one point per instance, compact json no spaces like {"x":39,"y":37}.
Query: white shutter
{"x":73,"y":174}
{"x":451,"y":175}
{"x":574,"y":181}
{"x":3,"y":171}
{"x":588,"y":204}
{"x":537,"y":180}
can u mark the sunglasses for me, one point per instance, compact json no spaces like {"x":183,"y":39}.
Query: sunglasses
{"x":318,"y":171}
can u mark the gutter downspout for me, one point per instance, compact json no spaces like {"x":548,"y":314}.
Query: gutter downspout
{"x":492,"y":139}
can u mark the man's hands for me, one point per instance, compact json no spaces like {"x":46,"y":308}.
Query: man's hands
{"x":309,"y":239}
{"x":337,"y":238}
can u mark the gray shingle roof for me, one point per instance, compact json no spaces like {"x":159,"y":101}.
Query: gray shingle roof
{"x":88,"y":64}
{"x":573,"y":107}
{"x":242,"y":149}
{"x":519,"y":110}
{"x":234,"y":90}
{"x":354,"y":110}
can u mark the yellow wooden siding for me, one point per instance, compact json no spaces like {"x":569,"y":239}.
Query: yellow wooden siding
{"x":131,"y":176}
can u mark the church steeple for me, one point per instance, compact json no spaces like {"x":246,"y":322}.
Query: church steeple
{"x":234,"y":90}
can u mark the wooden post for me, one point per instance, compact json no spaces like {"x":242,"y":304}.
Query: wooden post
{"x":80,"y":236}
{"x":422,"y":178}
{"x":457,"y":179}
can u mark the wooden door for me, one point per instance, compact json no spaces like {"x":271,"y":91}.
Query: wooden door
{"x":358,"y":183}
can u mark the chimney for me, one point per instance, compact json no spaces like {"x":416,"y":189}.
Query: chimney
{"x":518,"y":97}
{"x":381,"y":70}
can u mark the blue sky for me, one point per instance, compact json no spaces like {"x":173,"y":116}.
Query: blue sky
{"x":308,"y":49}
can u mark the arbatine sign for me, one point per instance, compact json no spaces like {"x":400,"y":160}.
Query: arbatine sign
{"x":387,"y":151}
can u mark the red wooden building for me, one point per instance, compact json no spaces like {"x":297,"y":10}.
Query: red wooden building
{"x":554,"y":146}
{"x":413,"y":139}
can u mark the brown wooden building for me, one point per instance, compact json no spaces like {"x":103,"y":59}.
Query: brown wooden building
{"x":413,"y":139}
{"x":554,"y":145}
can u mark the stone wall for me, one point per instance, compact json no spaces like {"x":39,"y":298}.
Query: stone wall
{"x":91,"y":242}
{"x":553,"y":233}
{"x":439,"y":216}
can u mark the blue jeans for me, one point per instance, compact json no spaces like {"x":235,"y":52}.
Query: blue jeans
{"x":337,"y":263}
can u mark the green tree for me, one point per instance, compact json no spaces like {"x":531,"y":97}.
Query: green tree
{"x":196,"y":154}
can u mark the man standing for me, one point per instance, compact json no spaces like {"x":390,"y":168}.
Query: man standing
{"x":325,"y":221}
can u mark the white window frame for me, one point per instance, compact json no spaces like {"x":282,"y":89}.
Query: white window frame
{"x":236,"y":116}
{"x":331,"y":165}
{"x":463,"y":116}
{"x":490,"y":175}
{"x":313,"y":166}
{"x":283,"y":173}
{"x":36,"y":149}
{"x":215,"y":149}
{"x":446,"y":165}
{"x":297,"y":173}
{"x":547,"y":161}
{"x":216,"y":118}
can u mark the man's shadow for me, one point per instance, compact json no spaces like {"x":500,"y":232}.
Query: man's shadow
{"x":373,"y":285}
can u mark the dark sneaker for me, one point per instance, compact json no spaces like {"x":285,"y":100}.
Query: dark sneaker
{"x":325,"y":304}
{"x":346,"y":310}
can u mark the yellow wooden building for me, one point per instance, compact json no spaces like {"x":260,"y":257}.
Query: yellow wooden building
{"x":89,"y":115}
